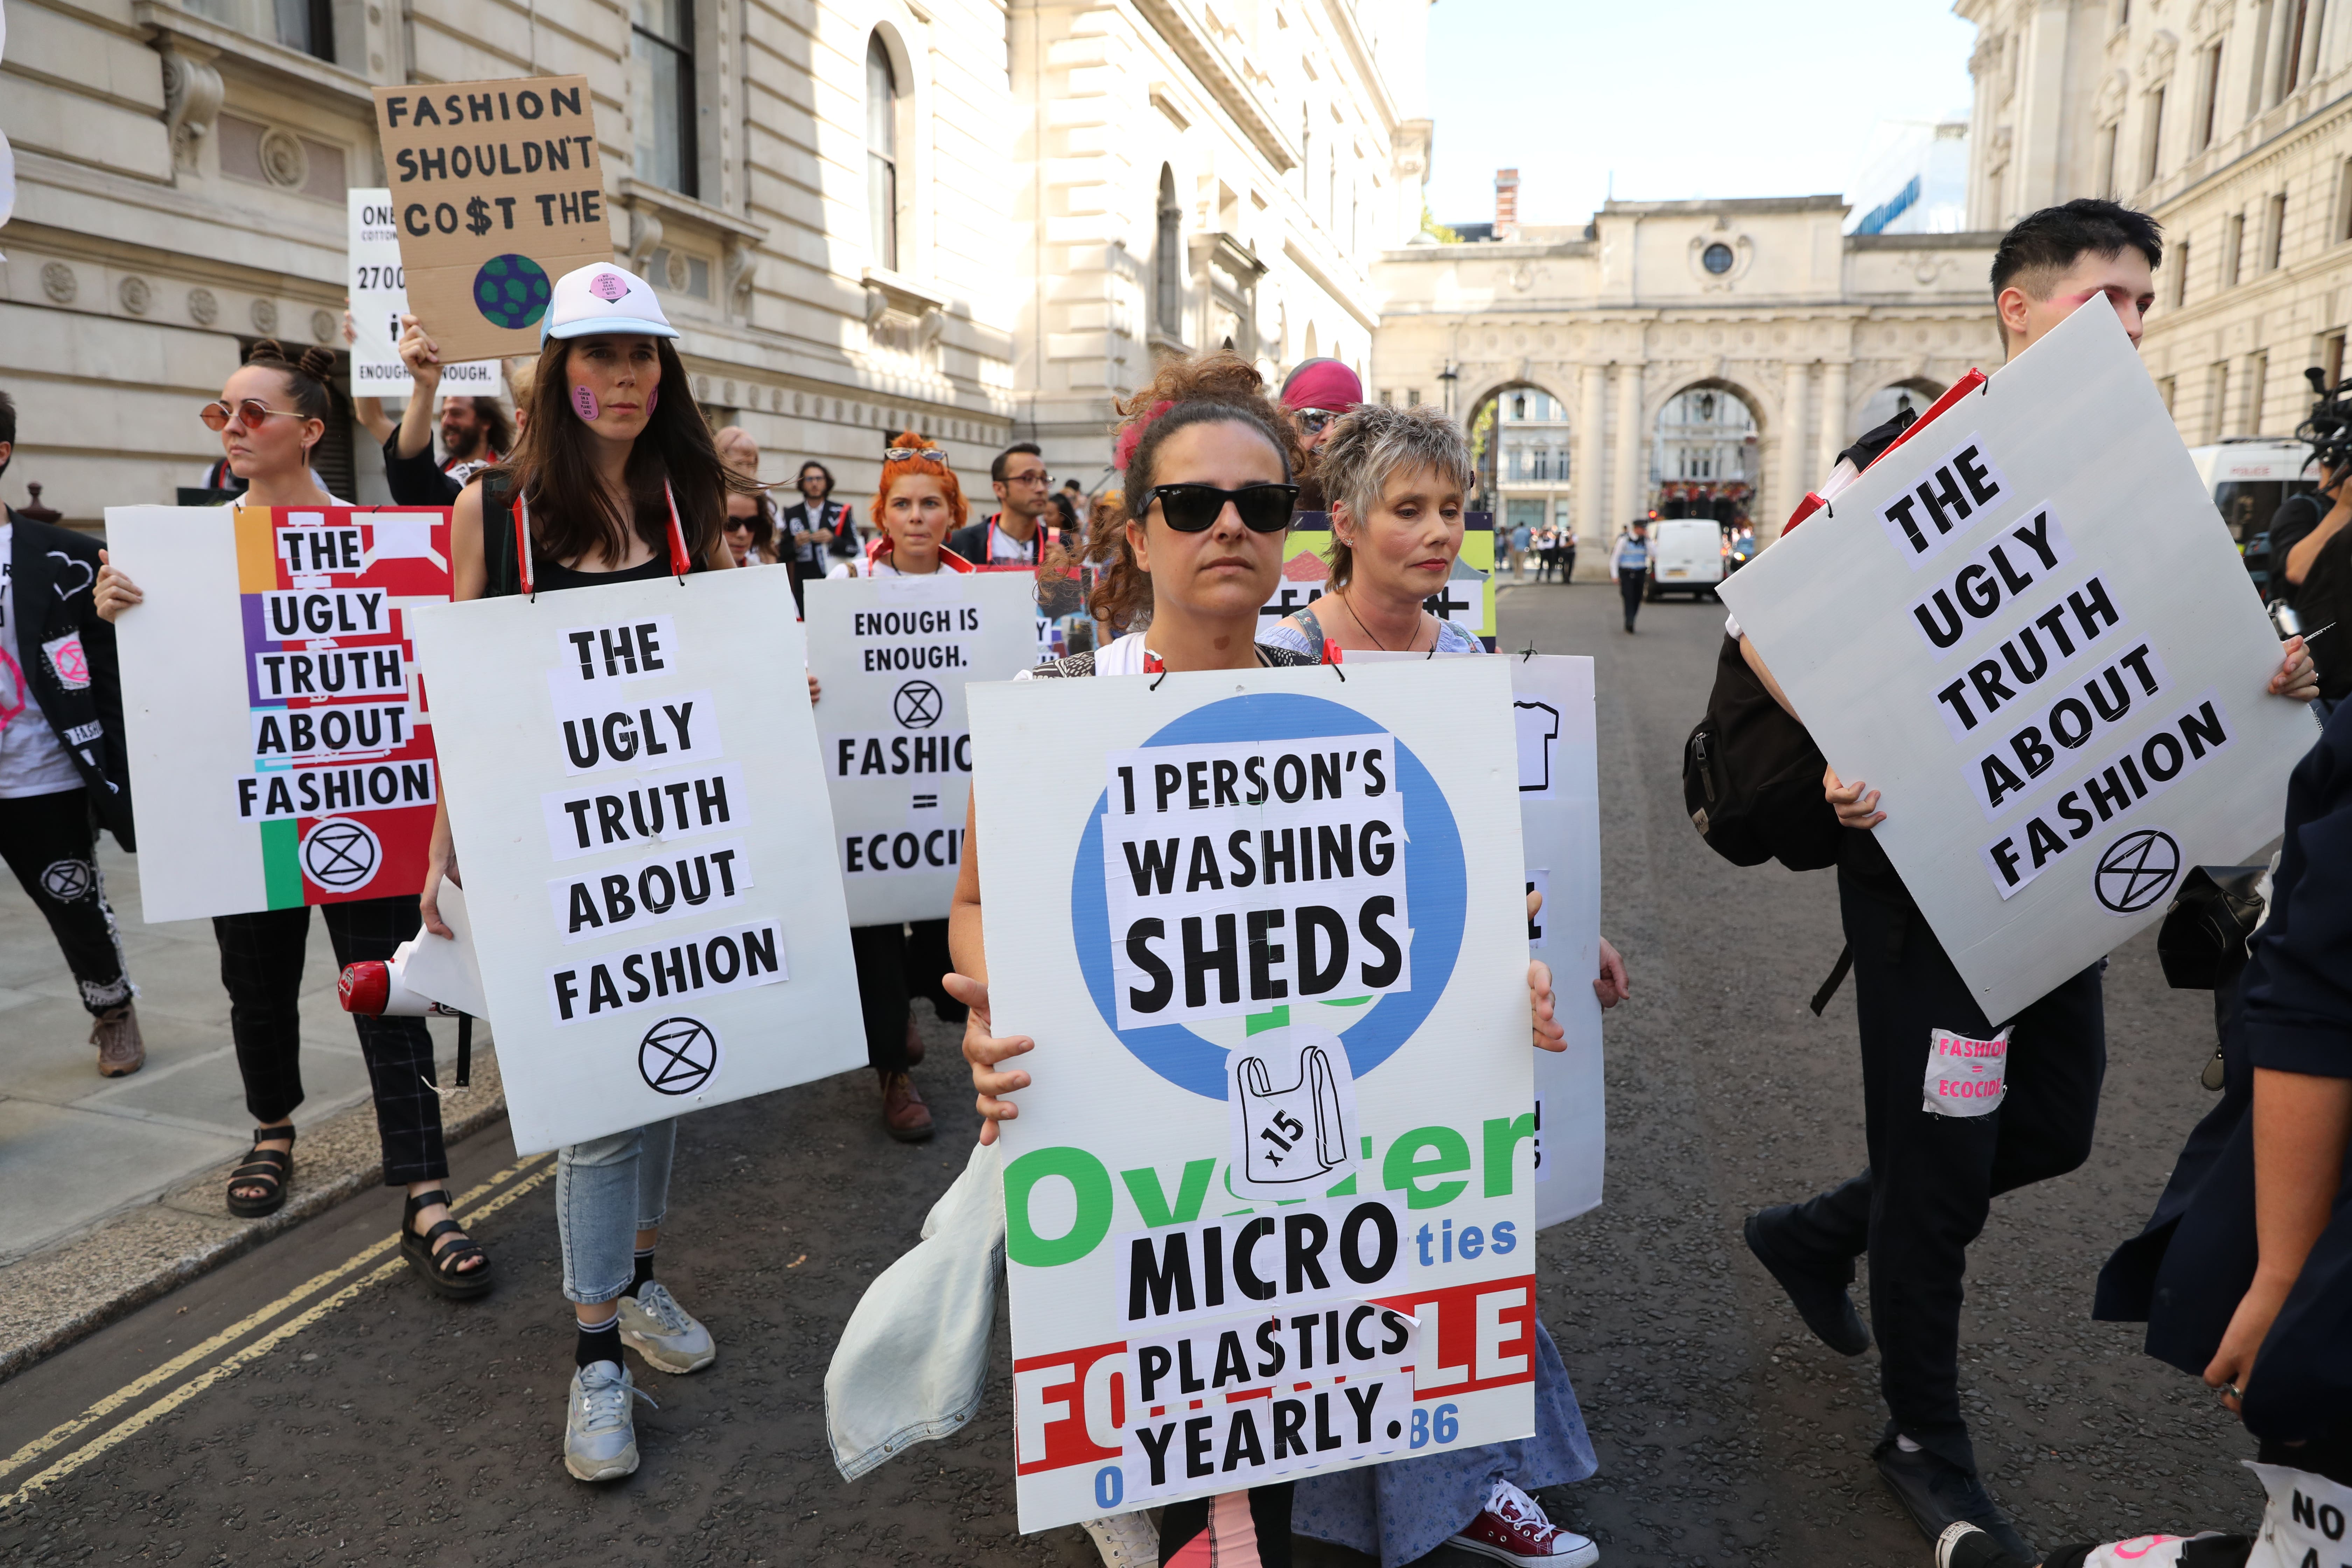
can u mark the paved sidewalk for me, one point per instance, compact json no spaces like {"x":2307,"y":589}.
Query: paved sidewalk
{"x":76,"y":1148}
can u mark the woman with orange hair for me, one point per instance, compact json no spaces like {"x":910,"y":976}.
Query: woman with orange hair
{"x":919,"y":504}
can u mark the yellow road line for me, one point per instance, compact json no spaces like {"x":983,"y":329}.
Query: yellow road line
{"x":179,"y":1363}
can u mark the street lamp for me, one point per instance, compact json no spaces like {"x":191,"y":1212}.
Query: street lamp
{"x":1449,"y":375}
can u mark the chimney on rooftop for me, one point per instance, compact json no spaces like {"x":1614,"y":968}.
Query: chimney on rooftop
{"x":1506,"y":203}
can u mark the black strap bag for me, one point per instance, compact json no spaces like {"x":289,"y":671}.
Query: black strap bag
{"x":1752,"y":777}
{"x":2202,"y":942}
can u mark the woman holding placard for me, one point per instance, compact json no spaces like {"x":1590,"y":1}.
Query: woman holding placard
{"x":271,"y":413}
{"x":919,"y":503}
{"x":613,"y":482}
{"x":1209,"y":463}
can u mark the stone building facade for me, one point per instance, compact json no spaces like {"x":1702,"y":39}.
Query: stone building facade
{"x":2231,"y":123}
{"x":1764,"y":300}
{"x":980,"y":219}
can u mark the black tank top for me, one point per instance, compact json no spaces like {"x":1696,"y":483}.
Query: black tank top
{"x":547,"y":576}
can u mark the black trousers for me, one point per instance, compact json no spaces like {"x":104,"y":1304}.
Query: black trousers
{"x":1932,"y":1178}
{"x":261,"y":966}
{"x":1630,"y":586}
{"x":897,"y":963}
{"x":47,"y":841}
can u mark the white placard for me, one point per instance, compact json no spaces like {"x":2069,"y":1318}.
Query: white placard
{"x":378,"y":297}
{"x":1403,"y":1086}
{"x":2029,"y":631}
{"x":892,"y":655}
{"x":1560,"y":822}
{"x":696,"y":950}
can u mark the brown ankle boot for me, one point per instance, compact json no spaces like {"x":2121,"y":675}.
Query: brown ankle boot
{"x":903,"y":1110}
{"x":121,"y":1051}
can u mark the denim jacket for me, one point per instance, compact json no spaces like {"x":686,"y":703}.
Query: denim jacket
{"x":913,"y":1359}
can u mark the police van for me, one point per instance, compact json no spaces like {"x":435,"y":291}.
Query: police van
{"x":1685,"y":556}
{"x":2248,"y":478}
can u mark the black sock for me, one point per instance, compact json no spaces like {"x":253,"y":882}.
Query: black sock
{"x":602,"y":1342}
{"x":645,"y":1276}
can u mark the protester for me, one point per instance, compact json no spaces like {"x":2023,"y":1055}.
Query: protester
{"x":1629,"y":566}
{"x":752,"y":530}
{"x":1396,"y":480}
{"x":1522,"y":539}
{"x":919,"y":504}
{"x":475,"y":431}
{"x":1314,"y":395}
{"x":2244,"y":1272}
{"x":1203,"y":425}
{"x":1066,"y":512}
{"x":271,"y":412}
{"x":817,"y":528}
{"x":63,"y":774}
{"x":2311,"y":560}
{"x":1931,"y":1178}
{"x":615,"y":482}
{"x":373,"y":417}
{"x":1018,"y":533}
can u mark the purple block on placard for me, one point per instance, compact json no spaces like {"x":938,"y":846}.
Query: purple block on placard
{"x":257,"y":640}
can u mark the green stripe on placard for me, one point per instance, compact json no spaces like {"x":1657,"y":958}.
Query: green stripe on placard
{"x":1279,"y":1018}
{"x":281,"y":864}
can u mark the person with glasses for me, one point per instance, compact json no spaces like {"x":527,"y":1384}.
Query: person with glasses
{"x":270,"y":414}
{"x":1314,"y":395}
{"x":1019,"y":532}
{"x":918,"y":505}
{"x":1209,"y":463}
{"x":817,"y":530}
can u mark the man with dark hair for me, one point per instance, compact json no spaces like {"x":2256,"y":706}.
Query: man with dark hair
{"x":63,"y":772}
{"x":1013,"y":536}
{"x":1931,"y":1179}
{"x":475,"y":431}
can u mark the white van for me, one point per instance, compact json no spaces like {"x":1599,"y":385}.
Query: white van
{"x":1685,"y":556}
{"x":2248,"y":477}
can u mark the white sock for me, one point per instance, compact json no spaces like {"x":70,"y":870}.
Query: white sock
{"x":1905,"y":1444}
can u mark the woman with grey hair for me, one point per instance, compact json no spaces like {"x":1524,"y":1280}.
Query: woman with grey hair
{"x":1396,"y":480}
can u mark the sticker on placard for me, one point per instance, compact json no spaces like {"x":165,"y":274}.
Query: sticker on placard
{"x":1966,"y":1076}
{"x":1291,"y":1107}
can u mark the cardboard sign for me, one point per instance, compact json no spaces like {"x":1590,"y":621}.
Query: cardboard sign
{"x":892,"y":655}
{"x":379,"y":294}
{"x":1227,"y":1236}
{"x":1559,"y":823}
{"x":497,"y":189}
{"x":277,"y":735}
{"x":2026,"y":628}
{"x":1468,"y":600}
{"x":657,"y":919}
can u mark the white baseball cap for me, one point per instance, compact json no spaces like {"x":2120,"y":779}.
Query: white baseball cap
{"x":603,"y":298}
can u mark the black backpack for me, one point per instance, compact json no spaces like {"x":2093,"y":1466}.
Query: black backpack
{"x":1752,"y":777}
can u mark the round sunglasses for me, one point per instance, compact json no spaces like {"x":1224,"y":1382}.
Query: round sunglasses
{"x":249,"y":412}
{"x":1194,"y":508}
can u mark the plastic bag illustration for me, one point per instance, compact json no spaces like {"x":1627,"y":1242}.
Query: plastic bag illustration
{"x":1296,"y":1133}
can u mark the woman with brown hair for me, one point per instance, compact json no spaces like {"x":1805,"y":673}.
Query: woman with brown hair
{"x":271,"y":413}
{"x":615,"y":480}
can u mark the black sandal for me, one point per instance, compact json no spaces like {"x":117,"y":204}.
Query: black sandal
{"x":440,"y":1269}
{"x":271,"y":1169}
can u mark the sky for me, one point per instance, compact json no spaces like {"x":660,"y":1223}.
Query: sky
{"x":1681,"y":98}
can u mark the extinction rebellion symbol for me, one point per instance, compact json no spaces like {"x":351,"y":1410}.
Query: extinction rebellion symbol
{"x":2137,"y":870}
{"x":678,"y":1056}
{"x":916,"y":705}
{"x":340,"y":855}
{"x":68,"y":881}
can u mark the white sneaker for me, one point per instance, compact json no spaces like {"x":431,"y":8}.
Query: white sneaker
{"x":600,"y":1428}
{"x":1513,"y":1528}
{"x":1125,"y":1540}
{"x":655,"y":1326}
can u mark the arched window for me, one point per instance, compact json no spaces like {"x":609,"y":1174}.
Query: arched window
{"x":882,"y":152}
{"x":1168,"y":260}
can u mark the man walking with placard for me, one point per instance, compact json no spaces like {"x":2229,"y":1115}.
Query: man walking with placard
{"x":1936,"y":1167}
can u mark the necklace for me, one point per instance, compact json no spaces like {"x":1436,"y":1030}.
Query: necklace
{"x":1349,"y":600}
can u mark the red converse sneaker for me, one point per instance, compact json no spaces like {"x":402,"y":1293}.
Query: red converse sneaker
{"x":1513,"y":1528}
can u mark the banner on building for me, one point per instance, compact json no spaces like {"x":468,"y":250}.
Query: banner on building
{"x":646,"y":846}
{"x":1467,"y":599}
{"x":2029,"y":631}
{"x":279,"y":746}
{"x":497,"y":190}
{"x":1269,"y":932}
{"x":892,"y":655}
{"x":1559,"y":826}
{"x":378,"y":296}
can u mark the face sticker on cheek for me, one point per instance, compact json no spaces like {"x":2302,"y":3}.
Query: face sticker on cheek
{"x":651,"y":398}
{"x":583,"y":403}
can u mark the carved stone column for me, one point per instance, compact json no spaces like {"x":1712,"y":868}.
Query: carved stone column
{"x":192,"y":98}
{"x":1592,"y":531}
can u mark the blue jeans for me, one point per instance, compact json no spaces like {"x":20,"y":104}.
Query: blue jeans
{"x":607,"y":1190}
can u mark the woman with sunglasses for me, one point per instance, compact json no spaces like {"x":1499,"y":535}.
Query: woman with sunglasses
{"x":1316,"y":394}
{"x":272,"y":411}
{"x":919,"y":504}
{"x":751,"y":529}
{"x":1208,"y":462}
{"x":615,"y":480}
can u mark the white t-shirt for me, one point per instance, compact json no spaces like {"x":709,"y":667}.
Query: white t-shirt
{"x":1120,"y":655}
{"x":32,"y":760}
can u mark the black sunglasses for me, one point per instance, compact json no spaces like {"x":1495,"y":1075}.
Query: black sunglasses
{"x":1194,"y":508}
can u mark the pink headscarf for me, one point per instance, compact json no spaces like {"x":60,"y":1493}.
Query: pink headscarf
{"x":1123,"y":450}
{"x":1322,"y":384}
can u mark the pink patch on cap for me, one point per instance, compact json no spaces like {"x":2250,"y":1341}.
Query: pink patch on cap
{"x":609,"y":287}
